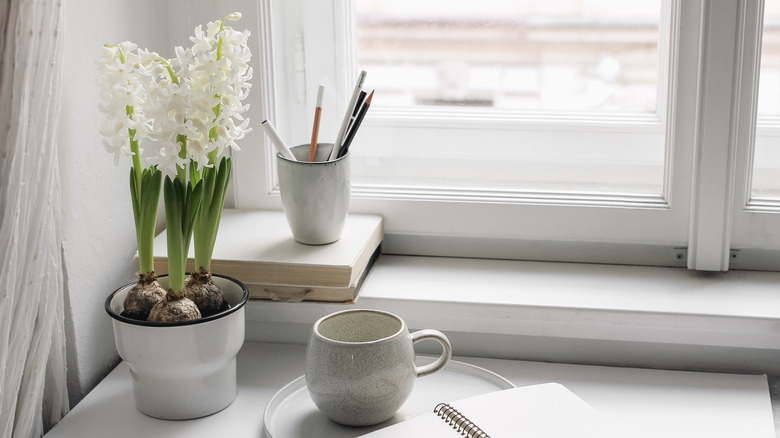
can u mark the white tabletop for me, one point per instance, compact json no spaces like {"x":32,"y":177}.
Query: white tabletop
{"x":651,"y":403}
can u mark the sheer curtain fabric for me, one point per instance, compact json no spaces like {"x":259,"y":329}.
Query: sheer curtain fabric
{"x":33,"y":391}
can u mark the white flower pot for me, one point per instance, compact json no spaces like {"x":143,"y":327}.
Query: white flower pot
{"x":182,"y":370}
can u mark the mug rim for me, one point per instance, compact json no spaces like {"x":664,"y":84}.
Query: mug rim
{"x":316,"y":332}
{"x":279,"y":156}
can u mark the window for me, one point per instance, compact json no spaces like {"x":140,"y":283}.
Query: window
{"x":756,"y":200}
{"x":463,"y":169}
{"x":518,"y":97}
{"x":766,"y":163}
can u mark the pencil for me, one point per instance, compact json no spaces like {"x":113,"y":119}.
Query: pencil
{"x":276,"y":139}
{"x":348,"y":141}
{"x":316,"y":129}
{"x":342,"y":131}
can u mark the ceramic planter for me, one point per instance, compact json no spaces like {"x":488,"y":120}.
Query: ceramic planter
{"x":183,"y":370}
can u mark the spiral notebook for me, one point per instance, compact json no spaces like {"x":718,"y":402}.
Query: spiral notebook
{"x":548,"y":410}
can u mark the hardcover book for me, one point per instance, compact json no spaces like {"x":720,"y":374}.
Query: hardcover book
{"x":257,"y":248}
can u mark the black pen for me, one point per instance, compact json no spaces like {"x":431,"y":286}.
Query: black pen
{"x":347,"y":115}
{"x":355,"y":126}
{"x":358,"y":104}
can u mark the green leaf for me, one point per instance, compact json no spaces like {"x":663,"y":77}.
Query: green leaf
{"x":194,"y":173}
{"x":193,"y":203}
{"x":145,"y":196}
{"x":177,"y":256}
{"x":210,"y":214}
{"x":221,"y":190}
{"x":150,"y":198}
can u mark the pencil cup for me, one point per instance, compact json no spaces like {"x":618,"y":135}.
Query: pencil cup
{"x":315,"y":195}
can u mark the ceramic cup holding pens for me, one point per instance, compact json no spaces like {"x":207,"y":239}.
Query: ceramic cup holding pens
{"x":315,"y":194}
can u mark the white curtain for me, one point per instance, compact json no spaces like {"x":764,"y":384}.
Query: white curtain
{"x":33,"y":391}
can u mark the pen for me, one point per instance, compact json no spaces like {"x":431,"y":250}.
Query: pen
{"x":276,"y":139}
{"x":344,"y":149}
{"x":316,"y":129}
{"x":359,"y":102}
{"x":342,"y":131}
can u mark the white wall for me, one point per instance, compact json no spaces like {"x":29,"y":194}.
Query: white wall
{"x":98,"y":232}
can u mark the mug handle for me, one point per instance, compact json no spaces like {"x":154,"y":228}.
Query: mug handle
{"x":445,"y":357}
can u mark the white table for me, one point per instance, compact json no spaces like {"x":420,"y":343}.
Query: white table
{"x":654,"y":403}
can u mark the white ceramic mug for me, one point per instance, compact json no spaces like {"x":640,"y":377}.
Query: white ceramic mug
{"x":360,"y":365}
{"x":315,"y":195}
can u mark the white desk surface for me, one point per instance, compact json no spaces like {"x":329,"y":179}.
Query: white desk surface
{"x":654,"y":403}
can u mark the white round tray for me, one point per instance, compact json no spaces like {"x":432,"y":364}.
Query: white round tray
{"x":292,"y":414}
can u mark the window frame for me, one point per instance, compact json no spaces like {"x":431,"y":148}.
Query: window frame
{"x":754,"y":245}
{"x":686,"y":226}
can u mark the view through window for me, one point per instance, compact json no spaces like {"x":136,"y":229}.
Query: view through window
{"x":586,"y":55}
{"x":571,"y":91}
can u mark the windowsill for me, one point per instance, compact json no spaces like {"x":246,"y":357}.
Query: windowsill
{"x":565,"y":312}
{"x":665,"y":403}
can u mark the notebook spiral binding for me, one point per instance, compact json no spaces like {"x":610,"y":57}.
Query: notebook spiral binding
{"x":458,"y":421}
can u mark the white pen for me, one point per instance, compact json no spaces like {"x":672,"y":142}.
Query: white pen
{"x":347,"y":115}
{"x":276,"y":139}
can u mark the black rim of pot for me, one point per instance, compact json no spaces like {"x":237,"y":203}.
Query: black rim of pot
{"x":111,"y":313}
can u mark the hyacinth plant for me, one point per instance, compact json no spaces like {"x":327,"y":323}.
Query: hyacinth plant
{"x":126,"y":125}
{"x":221,"y":79}
{"x":192,"y":103}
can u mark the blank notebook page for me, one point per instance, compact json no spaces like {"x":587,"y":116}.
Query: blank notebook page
{"x":549,"y":410}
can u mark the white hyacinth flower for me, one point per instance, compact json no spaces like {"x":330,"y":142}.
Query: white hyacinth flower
{"x":198,"y":94}
{"x":219,"y":81}
{"x":123,"y":98}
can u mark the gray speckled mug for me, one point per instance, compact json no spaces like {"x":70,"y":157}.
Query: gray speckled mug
{"x":360,"y":365}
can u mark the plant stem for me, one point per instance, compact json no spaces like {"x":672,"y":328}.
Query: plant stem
{"x":181,"y":172}
{"x":213,"y":135}
{"x":137,"y":167}
{"x":168,"y":67}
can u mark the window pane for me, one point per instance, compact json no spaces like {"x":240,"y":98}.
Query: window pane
{"x":532,"y":96}
{"x":766,"y":161}
{"x":541,"y":55}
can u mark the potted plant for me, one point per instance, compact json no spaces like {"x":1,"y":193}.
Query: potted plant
{"x":182,"y":359}
{"x":224,"y":87}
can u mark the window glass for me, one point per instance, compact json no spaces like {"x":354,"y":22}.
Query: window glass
{"x":542,"y":55}
{"x":543,"y":96}
{"x":766,"y":161}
